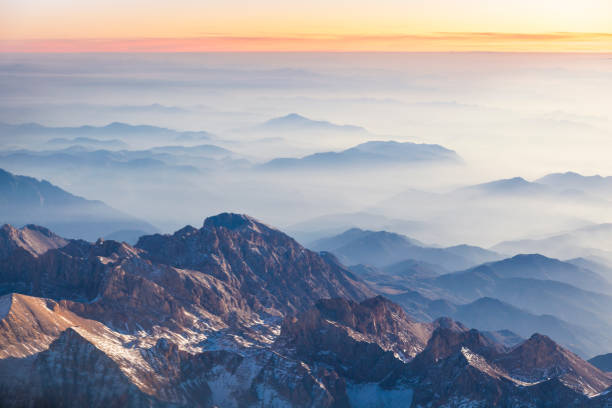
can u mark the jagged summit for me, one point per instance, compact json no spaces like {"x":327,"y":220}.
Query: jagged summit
{"x":230,"y":221}
{"x":262,"y":261}
{"x":366,"y":341}
{"x":540,"y":358}
{"x":450,"y":324}
{"x":237,"y":311}
{"x":32,"y":238}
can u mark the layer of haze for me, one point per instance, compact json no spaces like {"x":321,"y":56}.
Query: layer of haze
{"x":506,"y":115}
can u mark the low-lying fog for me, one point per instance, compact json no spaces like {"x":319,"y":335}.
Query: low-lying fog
{"x":504,"y":115}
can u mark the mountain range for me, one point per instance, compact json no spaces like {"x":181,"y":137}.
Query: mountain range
{"x":182,"y":159}
{"x":596,"y":184}
{"x":130,"y":134}
{"x":26,"y":200}
{"x":513,"y":207}
{"x":480,"y":299}
{"x":382,"y":248}
{"x":87,"y":142}
{"x":371,"y":153}
{"x":591,"y":243}
{"x":538,"y":294}
{"x":236,"y":313}
{"x":294,"y":122}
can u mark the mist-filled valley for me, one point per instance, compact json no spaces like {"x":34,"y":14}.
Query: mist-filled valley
{"x":194,"y":134}
{"x":419,"y":188}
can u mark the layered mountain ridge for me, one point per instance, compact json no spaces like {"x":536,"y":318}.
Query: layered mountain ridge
{"x":26,"y":200}
{"x":236,"y":313}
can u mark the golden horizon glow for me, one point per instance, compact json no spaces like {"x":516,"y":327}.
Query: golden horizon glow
{"x":318,"y":25}
{"x":436,"y":42}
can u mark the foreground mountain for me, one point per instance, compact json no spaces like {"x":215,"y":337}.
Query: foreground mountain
{"x":128,"y":312}
{"x":33,"y":239}
{"x":238,"y":314}
{"x":382,"y":248}
{"x":26,"y":200}
{"x":455,"y":367}
{"x":277,"y":273}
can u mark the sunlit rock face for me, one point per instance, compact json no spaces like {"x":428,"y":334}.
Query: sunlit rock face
{"x":238,"y":314}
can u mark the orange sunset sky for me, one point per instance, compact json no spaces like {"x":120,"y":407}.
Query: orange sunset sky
{"x":315,"y":25}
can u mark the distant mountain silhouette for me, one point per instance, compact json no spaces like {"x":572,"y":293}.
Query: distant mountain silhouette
{"x":533,"y":283}
{"x":591,"y":242}
{"x":88,"y":142}
{"x":115,"y":130}
{"x":596,"y":185}
{"x":295,"y":122}
{"x":491,"y":314}
{"x":536,"y":266}
{"x":400,"y":278}
{"x":513,"y":207}
{"x":26,"y":200}
{"x":334,"y":224}
{"x":373,"y":153}
{"x":181,"y":159}
{"x":603,"y":362}
{"x":400,"y":281}
{"x":512,"y":186}
{"x":382,"y":248}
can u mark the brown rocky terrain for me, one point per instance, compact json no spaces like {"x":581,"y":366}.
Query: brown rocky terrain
{"x":238,"y":314}
{"x":274,"y":273}
{"x":539,"y":359}
{"x":31,"y":238}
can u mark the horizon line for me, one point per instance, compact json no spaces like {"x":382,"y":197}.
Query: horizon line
{"x":502,"y":42}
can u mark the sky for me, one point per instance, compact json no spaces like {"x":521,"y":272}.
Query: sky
{"x":316,"y":25}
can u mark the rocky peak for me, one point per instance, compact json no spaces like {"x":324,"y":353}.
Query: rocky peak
{"x":230,"y":221}
{"x":74,"y":372}
{"x":448,"y":323}
{"x":375,"y":316}
{"x":152,"y":326}
{"x":275,"y":273}
{"x":112,"y":249}
{"x":450,"y":340}
{"x":539,"y":358}
{"x":375,"y":320}
{"x":186,"y":231}
{"x":28,"y":324}
{"x":539,"y":343}
{"x":33,"y":239}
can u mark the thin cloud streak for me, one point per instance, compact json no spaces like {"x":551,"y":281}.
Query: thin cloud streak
{"x":440,"y":41}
